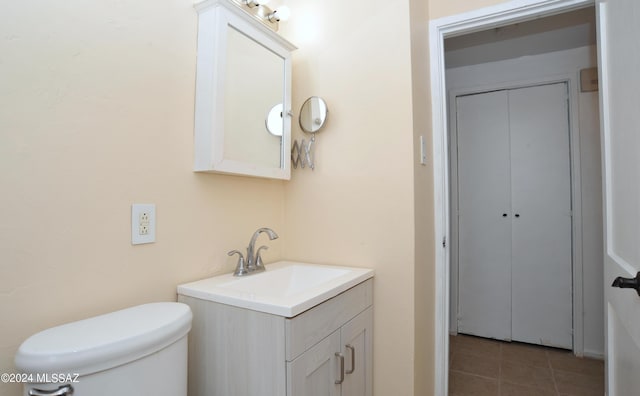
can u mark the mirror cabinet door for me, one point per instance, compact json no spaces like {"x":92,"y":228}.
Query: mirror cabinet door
{"x":243,"y":73}
{"x":254,"y":83}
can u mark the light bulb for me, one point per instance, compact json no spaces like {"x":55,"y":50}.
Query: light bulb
{"x":283,"y":13}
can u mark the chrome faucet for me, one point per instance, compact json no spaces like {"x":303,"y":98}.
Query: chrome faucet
{"x":253,"y":262}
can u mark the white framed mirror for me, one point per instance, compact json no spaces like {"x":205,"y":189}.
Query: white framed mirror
{"x":243,"y":71}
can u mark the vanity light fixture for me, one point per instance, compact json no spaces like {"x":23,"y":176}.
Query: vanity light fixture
{"x":259,"y":10}
{"x":280,"y":14}
{"x":254,"y":3}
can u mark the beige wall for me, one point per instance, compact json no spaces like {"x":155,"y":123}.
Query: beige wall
{"x":96,"y":113}
{"x":356,"y":208}
{"x":442,"y":8}
{"x":424,"y":309}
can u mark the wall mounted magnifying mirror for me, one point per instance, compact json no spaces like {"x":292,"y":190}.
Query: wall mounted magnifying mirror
{"x":243,"y":69}
{"x":313,"y":114}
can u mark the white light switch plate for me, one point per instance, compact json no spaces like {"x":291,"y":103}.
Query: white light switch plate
{"x":143,"y":223}
{"x":423,"y":151}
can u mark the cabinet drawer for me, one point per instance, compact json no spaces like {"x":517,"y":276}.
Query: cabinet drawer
{"x":310,"y":327}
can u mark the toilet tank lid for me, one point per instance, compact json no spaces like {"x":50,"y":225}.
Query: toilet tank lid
{"x":105,"y":341}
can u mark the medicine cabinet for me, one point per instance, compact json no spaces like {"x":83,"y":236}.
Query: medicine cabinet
{"x":243,"y":71}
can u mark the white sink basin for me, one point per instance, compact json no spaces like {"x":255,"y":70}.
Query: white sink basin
{"x":286,"y":288}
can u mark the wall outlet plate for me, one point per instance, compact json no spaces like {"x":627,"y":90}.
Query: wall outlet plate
{"x":143,"y":223}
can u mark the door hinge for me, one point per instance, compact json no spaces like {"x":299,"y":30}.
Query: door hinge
{"x":444,"y":242}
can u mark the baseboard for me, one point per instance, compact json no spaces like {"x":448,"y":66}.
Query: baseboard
{"x":594,"y":354}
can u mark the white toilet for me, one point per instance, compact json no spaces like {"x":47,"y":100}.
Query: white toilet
{"x":133,"y":352}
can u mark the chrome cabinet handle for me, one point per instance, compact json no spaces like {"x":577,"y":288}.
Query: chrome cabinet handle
{"x":353,"y":359}
{"x":341,"y":357}
{"x":66,"y":390}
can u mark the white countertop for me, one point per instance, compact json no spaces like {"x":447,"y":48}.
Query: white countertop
{"x":285,"y":288}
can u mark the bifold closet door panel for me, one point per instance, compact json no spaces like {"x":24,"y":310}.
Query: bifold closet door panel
{"x":484,"y":200}
{"x":541,"y":226}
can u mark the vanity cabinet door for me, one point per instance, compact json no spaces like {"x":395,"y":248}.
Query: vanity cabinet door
{"x":316,"y":371}
{"x":357,"y":347}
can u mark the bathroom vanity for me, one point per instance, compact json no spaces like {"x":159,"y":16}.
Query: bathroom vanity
{"x":295,"y":329}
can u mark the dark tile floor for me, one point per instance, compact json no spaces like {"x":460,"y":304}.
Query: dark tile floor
{"x":483,"y":367}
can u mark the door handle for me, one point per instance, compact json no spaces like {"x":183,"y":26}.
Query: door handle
{"x":353,"y":359}
{"x":66,"y":390}
{"x":341,"y":357}
{"x":628,"y":283}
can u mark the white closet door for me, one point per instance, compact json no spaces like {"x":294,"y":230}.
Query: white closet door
{"x":541,"y":201}
{"x":484,"y":197}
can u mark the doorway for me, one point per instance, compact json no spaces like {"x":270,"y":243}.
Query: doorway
{"x":495,"y":17}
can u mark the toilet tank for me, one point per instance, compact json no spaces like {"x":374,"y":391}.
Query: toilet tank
{"x":136,"y":351}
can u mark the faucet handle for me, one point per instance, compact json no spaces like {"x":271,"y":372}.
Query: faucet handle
{"x":241,"y":268}
{"x":259,"y":264}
